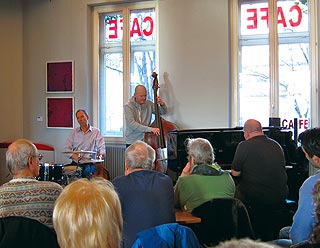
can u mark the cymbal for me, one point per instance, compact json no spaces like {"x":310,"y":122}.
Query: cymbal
{"x":86,"y":161}
{"x":80,"y":152}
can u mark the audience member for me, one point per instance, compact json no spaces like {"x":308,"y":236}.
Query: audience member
{"x":85,"y":138}
{"x":202,"y":179}
{"x":315,"y":235}
{"x":305,"y":216}
{"x":245,"y":243}
{"x":259,"y":163}
{"x":146,"y":195}
{"x":138,"y":112}
{"x":88,"y":214}
{"x":24,"y":195}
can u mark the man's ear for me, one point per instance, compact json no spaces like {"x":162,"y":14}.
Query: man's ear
{"x":30,"y":160}
{"x":316,"y":160}
{"x":191,"y":160}
{"x":126,"y":169}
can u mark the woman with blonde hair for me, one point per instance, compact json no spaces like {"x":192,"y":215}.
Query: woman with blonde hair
{"x":88,"y":214}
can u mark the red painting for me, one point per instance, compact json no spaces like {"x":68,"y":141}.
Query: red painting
{"x":59,"y":76}
{"x":60,"y":112}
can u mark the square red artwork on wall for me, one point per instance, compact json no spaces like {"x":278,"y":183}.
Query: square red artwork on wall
{"x":59,"y":76}
{"x":60,"y":112}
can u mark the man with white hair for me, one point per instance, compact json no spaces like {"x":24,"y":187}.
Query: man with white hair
{"x":146,"y":195}
{"x":24,"y":195}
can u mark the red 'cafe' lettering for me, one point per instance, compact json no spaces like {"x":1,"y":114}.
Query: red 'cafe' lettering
{"x":136,"y":27}
{"x":253,"y":19}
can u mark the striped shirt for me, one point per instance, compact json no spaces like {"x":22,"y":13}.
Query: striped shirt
{"x":30,"y":198}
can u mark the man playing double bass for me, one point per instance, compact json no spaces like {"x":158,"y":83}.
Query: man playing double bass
{"x":138,"y":112}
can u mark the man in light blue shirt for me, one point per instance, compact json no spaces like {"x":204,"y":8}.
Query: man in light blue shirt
{"x":85,"y":138}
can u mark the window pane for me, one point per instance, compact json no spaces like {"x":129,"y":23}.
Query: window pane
{"x":294,"y":68}
{"x":142,"y":46}
{"x":114,"y":95}
{"x":254,"y":84}
{"x":254,"y":18}
{"x":294,"y":81}
{"x":292,"y":17}
{"x":111,"y":76}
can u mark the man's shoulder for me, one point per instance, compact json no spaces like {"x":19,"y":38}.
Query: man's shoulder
{"x":141,"y":175}
{"x":49,"y":185}
{"x":310,"y":181}
{"x":118,"y":179}
{"x":32,"y":185}
{"x":157,"y":174}
{"x":131,"y":103}
{"x":94,"y":129}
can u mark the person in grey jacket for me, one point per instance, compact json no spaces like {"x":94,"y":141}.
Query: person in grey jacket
{"x":138,"y":113}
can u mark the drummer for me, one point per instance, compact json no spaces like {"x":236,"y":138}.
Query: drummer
{"x":85,"y":138}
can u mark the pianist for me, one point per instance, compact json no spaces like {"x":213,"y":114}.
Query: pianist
{"x":259,"y":163}
{"x":202,"y":179}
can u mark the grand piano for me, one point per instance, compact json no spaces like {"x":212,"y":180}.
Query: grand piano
{"x":225,"y":141}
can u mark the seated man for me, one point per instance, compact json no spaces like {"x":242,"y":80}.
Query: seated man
{"x":201,"y":180}
{"x":88,"y":139}
{"x":259,"y":165}
{"x":146,"y":195}
{"x":24,"y":195}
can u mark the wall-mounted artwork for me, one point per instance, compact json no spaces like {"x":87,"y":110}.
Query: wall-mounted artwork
{"x":60,"y":112}
{"x":59,"y":76}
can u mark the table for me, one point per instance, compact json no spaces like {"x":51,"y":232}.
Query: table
{"x":183,"y":217}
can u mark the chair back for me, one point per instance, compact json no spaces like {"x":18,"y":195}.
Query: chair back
{"x":18,"y":231}
{"x":170,"y":235}
{"x":222,"y":219}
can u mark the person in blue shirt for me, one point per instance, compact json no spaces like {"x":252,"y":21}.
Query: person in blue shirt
{"x":146,"y":195}
{"x":304,"y":218}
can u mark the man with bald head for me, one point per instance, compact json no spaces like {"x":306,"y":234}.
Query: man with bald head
{"x":138,"y":113}
{"x":259,"y":166}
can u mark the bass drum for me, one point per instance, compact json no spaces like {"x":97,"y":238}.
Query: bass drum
{"x":51,"y":172}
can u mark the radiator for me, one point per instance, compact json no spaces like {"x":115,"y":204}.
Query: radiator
{"x":114,"y":161}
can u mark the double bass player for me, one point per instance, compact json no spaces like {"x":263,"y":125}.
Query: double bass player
{"x":138,"y":113}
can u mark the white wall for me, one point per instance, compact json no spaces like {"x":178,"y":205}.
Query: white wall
{"x":194,"y":58}
{"x":11,"y":86}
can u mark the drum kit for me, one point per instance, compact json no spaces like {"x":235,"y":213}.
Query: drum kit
{"x":65,"y":174}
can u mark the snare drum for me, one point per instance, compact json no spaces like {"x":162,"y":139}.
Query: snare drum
{"x":51,"y":172}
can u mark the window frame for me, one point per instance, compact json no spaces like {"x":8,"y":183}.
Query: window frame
{"x":125,"y":8}
{"x":234,"y":12}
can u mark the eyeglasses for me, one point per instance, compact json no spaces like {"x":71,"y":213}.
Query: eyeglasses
{"x":40,"y":156}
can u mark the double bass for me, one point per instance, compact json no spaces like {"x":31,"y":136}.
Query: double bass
{"x":158,"y":142}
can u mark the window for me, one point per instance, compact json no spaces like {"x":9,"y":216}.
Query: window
{"x":274,"y":67}
{"x":127,"y":57}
